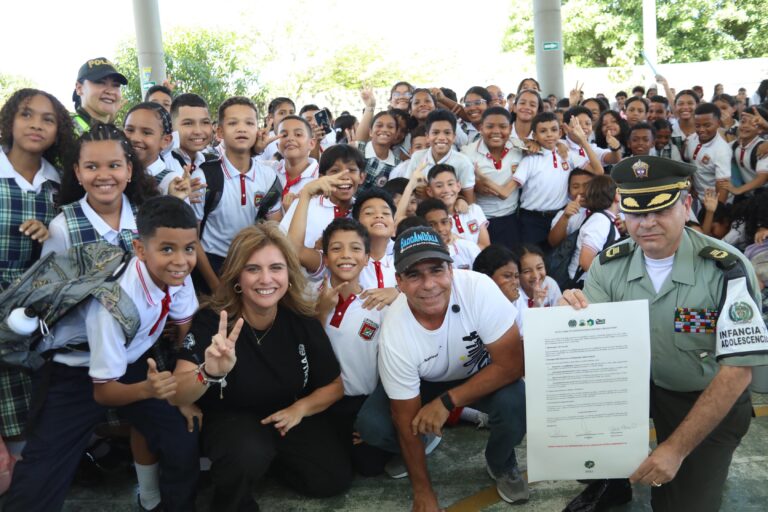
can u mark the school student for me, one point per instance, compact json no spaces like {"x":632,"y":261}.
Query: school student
{"x":636,"y":110}
{"x":641,"y":139}
{"x":277,"y":109}
{"x":148,"y":129}
{"x":101,"y":193}
{"x":297,"y":168}
{"x":353,"y":331}
{"x":753,"y":170}
{"x":495,"y":158}
{"x":441,"y":133}
{"x":728,"y":124}
{"x":658,"y":108}
{"x":500,"y":264}
{"x":598,"y":231}
{"x":245,"y":183}
{"x":574,"y":214}
{"x":463,"y":252}
{"x":709,"y":152}
{"x":111,"y":373}
{"x":544,"y":177}
{"x":192,"y":121}
{"x":97,"y":94}
{"x":527,"y":104}
{"x":685,"y":104}
{"x":35,"y":132}
{"x":537,"y":289}
{"x":608,"y":156}
{"x":396,"y":188}
{"x":160,"y":94}
{"x":662,"y":142}
{"x":379,"y":157}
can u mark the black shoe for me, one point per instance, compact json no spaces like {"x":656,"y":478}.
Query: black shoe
{"x":601,"y":495}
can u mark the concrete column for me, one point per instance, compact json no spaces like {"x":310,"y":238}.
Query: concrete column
{"x":149,"y":43}
{"x":548,"y":41}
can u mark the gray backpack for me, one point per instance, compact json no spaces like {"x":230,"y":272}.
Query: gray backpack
{"x":55,"y":285}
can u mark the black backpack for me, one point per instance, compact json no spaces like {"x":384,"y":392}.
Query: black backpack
{"x":214,"y":178}
{"x":560,"y":257}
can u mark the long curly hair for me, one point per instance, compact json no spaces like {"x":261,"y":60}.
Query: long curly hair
{"x":141,"y":187}
{"x":57,"y":153}
{"x":247,"y":242}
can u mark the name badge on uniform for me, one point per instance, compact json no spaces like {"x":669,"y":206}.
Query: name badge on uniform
{"x":695,"y":321}
{"x":740,"y":328}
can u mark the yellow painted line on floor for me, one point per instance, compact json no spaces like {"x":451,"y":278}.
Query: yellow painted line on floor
{"x":478,"y":501}
{"x":760,"y":410}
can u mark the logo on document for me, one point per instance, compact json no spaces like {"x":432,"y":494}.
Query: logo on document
{"x":572,"y":323}
{"x":589,"y":464}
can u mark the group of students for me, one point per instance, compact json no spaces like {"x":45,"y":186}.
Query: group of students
{"x":192,"y":198}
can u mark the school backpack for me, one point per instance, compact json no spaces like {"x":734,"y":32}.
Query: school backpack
{"x":214,"y":179}
{"x":53,"y":287}
{"x":560,"y":258}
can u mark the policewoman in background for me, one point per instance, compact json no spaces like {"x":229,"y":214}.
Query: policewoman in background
{"x":701,"y":361}
{"x":97,"y":94}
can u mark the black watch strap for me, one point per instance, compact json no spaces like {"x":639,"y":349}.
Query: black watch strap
{"x":447,"y":401}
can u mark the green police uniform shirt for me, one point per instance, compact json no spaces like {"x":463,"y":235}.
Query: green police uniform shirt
{"x":682,"y":315}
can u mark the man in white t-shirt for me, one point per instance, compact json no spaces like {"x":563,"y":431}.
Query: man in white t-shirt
{"x":447,"y":341}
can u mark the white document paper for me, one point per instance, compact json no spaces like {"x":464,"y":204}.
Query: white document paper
{"x":587,"y":376}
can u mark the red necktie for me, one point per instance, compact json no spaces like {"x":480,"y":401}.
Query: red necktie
{"x":242,"y":189}
{"x":379,"y":275}
{"x":166,"y":307}
{"x":457,"y":223}
{"x":289,"y":183}
{"x":341,"y":308}
{"x":531,"y":303}
{"x":581,"y":152}
{"x":497,"y":163}
{"x":338,"y":212}
{"x":696,"y":152}
{"x":554,"y":159}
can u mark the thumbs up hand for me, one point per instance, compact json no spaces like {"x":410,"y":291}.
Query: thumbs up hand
{"x":160,"y":385}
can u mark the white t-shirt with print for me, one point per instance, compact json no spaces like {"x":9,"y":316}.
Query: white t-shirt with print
{"x":410,"y":353}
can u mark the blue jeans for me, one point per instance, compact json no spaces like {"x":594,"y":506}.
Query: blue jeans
{"x":506,"y":418}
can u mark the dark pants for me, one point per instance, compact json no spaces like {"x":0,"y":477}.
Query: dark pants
{"x":367,"y":460}
{"x":201,"y":286}
{"x":60,"y":434}
{"x":505,"y":231}
{"x":698,"y":484}
{"x":506,"y":420}
{"x":535,"y":226}
{"x":310,"y":458}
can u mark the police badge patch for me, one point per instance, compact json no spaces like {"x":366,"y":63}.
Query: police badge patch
{"x":368,"y":329}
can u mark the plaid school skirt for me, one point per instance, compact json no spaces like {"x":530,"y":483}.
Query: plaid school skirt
{"x":15,"y":398}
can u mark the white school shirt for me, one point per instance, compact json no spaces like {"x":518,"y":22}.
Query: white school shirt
{"x":47,"y":172}
{"x":199,"y":159}
{"x":465,"y":172}
{"x":241,"y":195}
{"x":468,"y":225}
{"x":58,"y":232}
{"x":379,"y":273}
{"x":354,"y":333}
{"x":553,"y":294}
{"x":743,"y":157}
{"x":320,"y":213}
{"x":712,"y":160}
{"x":574,"y":221}
{"x":463,"y":252}
{"x":469,"y":133}
{"x":310,"y":173}
{"x":270,"y":150}
{"x":410,"y":353}
{"x":594,"y":234}
{"x":517,"y":140}
{"x":479,"y":154}
{"x":369,"y":152}
{"x":92,"y":323}
{"x":328,"y":141}
{"x":543,"y":177}
{"x":579,"y":156}
{"x":159,"y":166}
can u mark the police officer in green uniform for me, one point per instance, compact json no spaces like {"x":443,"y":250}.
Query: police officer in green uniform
{"x":97,"y":94}
{"x":704,"y":342}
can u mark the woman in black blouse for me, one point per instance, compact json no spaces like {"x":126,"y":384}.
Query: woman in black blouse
{"x":265,"y":411}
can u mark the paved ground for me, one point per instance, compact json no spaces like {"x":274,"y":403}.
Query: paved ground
{"x":458,"y":472}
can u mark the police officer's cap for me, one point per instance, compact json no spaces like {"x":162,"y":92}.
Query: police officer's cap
{"x":650,"y":183}
{"x":98,"y":68}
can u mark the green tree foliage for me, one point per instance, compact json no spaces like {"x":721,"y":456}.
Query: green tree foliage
{"x":213,"y":64}
{"x":599,"y":33}
{"x":10,"y":84}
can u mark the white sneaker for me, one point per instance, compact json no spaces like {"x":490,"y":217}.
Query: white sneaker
{"x":511,"y":485}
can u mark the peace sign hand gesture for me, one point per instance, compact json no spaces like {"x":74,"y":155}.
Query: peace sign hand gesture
{"x":220,"y":355}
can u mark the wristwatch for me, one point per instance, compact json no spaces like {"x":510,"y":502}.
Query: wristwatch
{"x":445,"y":398}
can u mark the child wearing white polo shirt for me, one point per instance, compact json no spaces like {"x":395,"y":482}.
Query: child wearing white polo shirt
{"x":353,"y":331}
{"x":296,"y":169}
{"x":754,"y":171}
{"x":608,"y":156}
{"x":462,"y":251}
{"x":192,"y":121}
{"x":244,"y":185}
{"x":574,"y":214}
{"x":441,"y":133}
{"x":277,"y":110}
{"x":709,"y":152}
{"x":543,"y":177}
{"x":112,"y":371}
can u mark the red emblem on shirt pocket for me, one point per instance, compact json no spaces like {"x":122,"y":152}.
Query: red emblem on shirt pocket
{"x":368,"y":329}
{"x":257,"y":199}
{"x":473,"y":227}
{"x":705,"y":159}
{"x":566,"y":166}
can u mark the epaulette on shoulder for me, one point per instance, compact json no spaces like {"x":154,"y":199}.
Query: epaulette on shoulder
{"x":723,"y":259}
{"x":615,"y":252}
